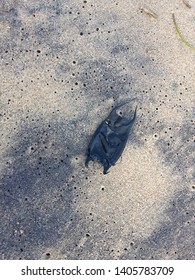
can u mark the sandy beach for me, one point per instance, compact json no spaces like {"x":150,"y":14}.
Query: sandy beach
{"x":64,"y":66}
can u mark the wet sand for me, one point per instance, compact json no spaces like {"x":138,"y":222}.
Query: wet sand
{"x":64,"y":65}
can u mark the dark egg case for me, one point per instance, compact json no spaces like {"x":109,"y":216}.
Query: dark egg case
{"x":109,"y":139}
